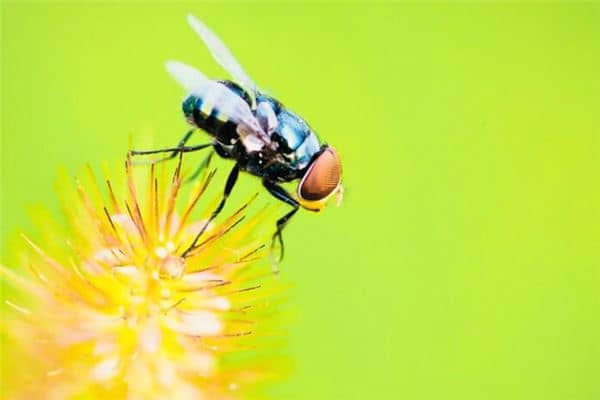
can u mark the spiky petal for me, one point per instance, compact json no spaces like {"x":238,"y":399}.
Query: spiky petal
{"x":123,"y":314}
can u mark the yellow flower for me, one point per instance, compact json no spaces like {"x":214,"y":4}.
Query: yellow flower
{"x":123,"y":314}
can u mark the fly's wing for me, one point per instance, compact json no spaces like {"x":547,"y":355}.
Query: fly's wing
{"x":222,"y":55}
{"x":216,"y":96}
{"x":266,"y":117}
{"x":189,"y":77}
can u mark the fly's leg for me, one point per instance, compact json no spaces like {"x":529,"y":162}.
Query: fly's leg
{"x":280,"y":194}
{"x":231,"y":180}
{"x":181,"y":143}
{"x":181,"y":148}
{"x":177,"y":150}
{"x":203,"y":165}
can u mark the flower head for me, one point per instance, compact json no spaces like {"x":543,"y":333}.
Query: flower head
{"x":120,"y":312}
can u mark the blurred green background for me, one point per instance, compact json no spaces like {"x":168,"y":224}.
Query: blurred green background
{"x":464,"y":261}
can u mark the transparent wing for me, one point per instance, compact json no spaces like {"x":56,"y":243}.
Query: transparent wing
{"x":266,"y":117}
{"x":218,"y":97}
{"x":188,"y":77}
{"x":222,"y":55}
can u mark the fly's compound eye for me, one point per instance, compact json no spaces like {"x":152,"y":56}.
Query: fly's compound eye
{"x":322,"y":178}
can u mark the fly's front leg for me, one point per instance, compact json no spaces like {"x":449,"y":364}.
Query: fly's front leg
{"x":281,"y":194}
{"x":181,"y":148}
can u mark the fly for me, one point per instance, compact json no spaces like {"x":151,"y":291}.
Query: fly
{"x":257,"y":132}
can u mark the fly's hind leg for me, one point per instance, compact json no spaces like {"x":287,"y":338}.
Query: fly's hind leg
{"x":280,"y":194}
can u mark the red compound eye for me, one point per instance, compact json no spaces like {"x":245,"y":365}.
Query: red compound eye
{"x":322,"y":177}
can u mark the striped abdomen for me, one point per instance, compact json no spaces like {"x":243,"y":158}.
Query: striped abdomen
{"x":209,"y":119}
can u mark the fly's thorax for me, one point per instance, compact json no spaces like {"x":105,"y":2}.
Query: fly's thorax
{"x":295,"y":140}
{"x":263,"y":164}
{"x":275,"y":104}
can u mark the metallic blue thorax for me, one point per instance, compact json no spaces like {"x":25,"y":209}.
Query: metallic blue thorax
{"x":296,"y":141}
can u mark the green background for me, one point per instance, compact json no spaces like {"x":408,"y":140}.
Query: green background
{"x":464,"y":261}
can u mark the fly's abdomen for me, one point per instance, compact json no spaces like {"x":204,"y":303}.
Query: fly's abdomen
{"x":208,"y":118}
